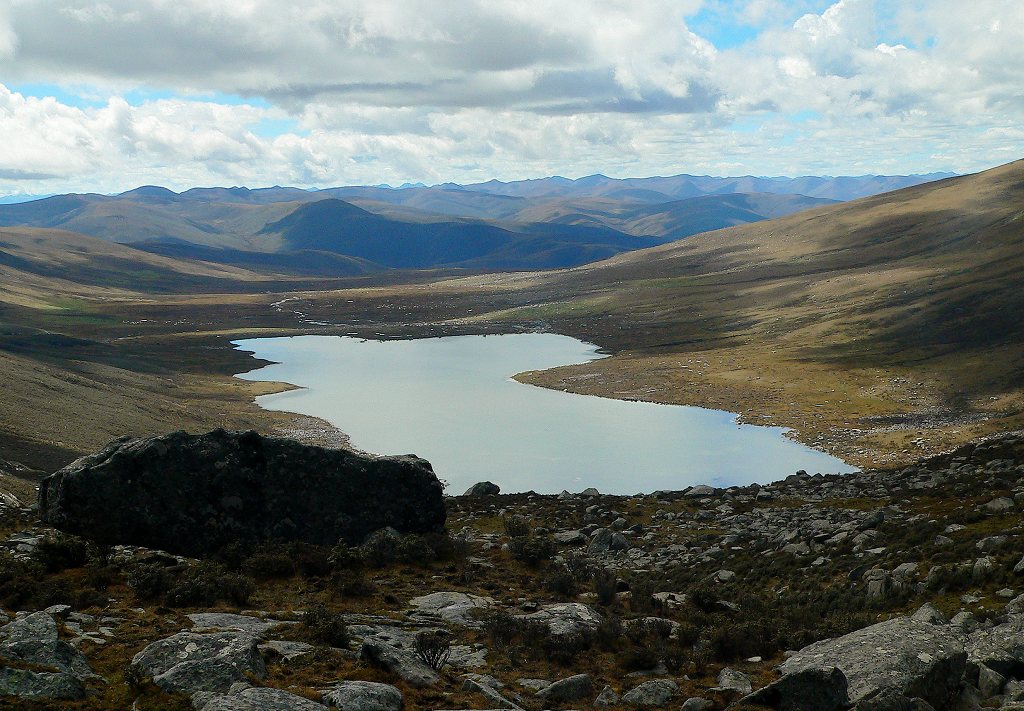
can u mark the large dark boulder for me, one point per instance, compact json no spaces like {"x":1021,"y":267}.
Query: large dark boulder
{"x":193,"y":494}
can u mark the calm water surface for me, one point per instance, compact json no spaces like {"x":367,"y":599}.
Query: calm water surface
{"x":452,"y":401}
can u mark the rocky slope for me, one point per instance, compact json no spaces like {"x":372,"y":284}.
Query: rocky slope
{"x":888,"y":589}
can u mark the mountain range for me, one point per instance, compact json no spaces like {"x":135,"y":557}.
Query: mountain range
{"x":493,"y":226}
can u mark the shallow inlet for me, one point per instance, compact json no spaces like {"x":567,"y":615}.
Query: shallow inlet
{"x":453,"y":401}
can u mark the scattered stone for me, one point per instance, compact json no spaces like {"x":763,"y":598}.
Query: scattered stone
{"x":254,"y":699}
{"x":732,"y":680}
{"x":451,"y":607}
{"x":656,"y":692}
{"x":812,"y":688}
{"x":571,"y":538}
{"x":491,"y":694}
{"x":567,"y":618}
{"x":189,"y":662}
{"x":700,"y":491}
{"x":400,"y":663}
{"x":194,"y":494}
{"x":27,"y":684}
{"x":605,"y":540}
{"x":483,"y":488}
{"x":999,"y":505}
{"x":363,"y":696}
{"x":920,"y":660}
{"x":573,"y":688}
{"x":697,"y":703}
{"x":207,"y":621}
{"x":930,"y":614}
{"x":607,"y":698}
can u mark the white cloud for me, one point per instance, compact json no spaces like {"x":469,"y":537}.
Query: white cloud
{"x":349,"y":91}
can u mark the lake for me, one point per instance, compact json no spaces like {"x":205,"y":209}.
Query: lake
{"x":453,"y":402}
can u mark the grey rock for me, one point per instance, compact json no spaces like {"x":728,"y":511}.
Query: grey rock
{"x":572,"y":688}
{"x":254,"y":699}
{"x":914,"y":658}
{"x":491,"y":694}
{"x":656,"y":692}
{"x":732,"y":680}
{"x":1019,"y":568}
{"x":990,"y":683}
{"x":999,"y":504}
{"x":533,"y":684}
{"x":33,"y":639}
{"x":363,"y":696}
{"x":189,"y":662}
{"x":607,"y":697}
{"x":193,"y":494}
{"x":571,"y":538}
{"x":700,"y":491}
{"x":697,"y":703}
{"x":483,"y":488}
{"x":1015,"y":606}
{"x":890,"y":700}
{"x":398,"y":662}
{"x":930,"y":614}
{"x":285,"y":649}
{"x":451,"y":607}
{"x":40,"y":685}
{"x":810,"y":688}
{"x":208,"y":621}
{"x":605,"y":540}
{"x":1000,"y":648}
{"x":567,"y":618}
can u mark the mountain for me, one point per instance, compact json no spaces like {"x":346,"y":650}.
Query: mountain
{"x":548,"y":223}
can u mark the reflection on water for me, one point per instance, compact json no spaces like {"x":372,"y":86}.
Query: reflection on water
{"x":452,"y":401}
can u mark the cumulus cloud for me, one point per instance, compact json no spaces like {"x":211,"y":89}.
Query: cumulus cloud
{"x":369,"y":91}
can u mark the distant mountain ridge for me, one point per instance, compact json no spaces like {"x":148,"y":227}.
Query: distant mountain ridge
{"x":525,"y":225}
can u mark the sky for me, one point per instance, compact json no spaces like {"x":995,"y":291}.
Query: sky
{"x":106,"y":96}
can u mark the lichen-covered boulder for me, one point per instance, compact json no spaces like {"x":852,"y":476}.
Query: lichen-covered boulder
{"x":193,"y":494}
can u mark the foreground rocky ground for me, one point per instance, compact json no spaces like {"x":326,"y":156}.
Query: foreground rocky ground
{"x":894,"y":589}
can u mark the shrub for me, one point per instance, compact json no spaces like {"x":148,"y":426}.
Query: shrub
{"x":447,"y":547}
{"x":561,"y":583}
{"x":149,"y":581}
{"x":532,"y":550}
{"x":434,"y":648}
{"x":414,"y":550}
{"x":564,"y":649}
{"x":351,"y":583}
{"x":269,"y":562}
{"x":344,"y":557}
{"x":516,"y":526}
{"x":605,"y":586}
{"x":325,"y":627}
{"x":641,"y":596}
{"x":608,"y":634}
{"x":312,"y":561}
{"x":381,"y":548}
{"x":100,"y":577}
{"x":208,"y":583}
{"x":62,"y":552}
{"x":501,"y":628}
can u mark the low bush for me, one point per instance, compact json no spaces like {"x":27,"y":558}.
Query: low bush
{"x":380,"y":549}
{"x":209,"y":583}
{"x":149,"y":581}
{"x":516,"y":526}
{"x":414,"y":550}
{"x":270,"y":562}
{"x":605,"y":586}
{"x":61,"y":553}
{"x":532,"y":550}
{"x":434,"y":648}
{"x":325,"y":627}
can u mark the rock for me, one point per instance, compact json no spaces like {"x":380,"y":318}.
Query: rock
{"x":572,"y":688}
{"x":533,"y":684}
{"x":982,"y":569}
{"x":254,"y":699}
{"x":483,"y":488}
{"x":451,"y":607}
{"x":207,"y":621}
{"x":491,"y":694}
{"x":890,"y":700}
{"x":656,"y":692}
{"x":571,"y":538}
{"x":732,"y":680}
{"x":930,"y":614}
{"x":607,"y":698}
{"x":605,"y":540}
{"x":1019,"y":568}
{"x":32,"y":639}
{"x":285,"y":649}
{"x":819,"y":688}
{"x":363,"y":696}
{"x":697,"y":703}
{"x":1016,"y":605}
{"x":990,"y":683}
{"x":999,"y":648}
{"x":189,"y":662}
{"x":590,"y":491}
{"x":700,"y":491}
{"x":193,"y":494}
{"x":402,"y":664}
{"x":999,"y":505}
{"x":914,"y":658}
{"x":27,"y":684}
{"x":567,"y":618}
